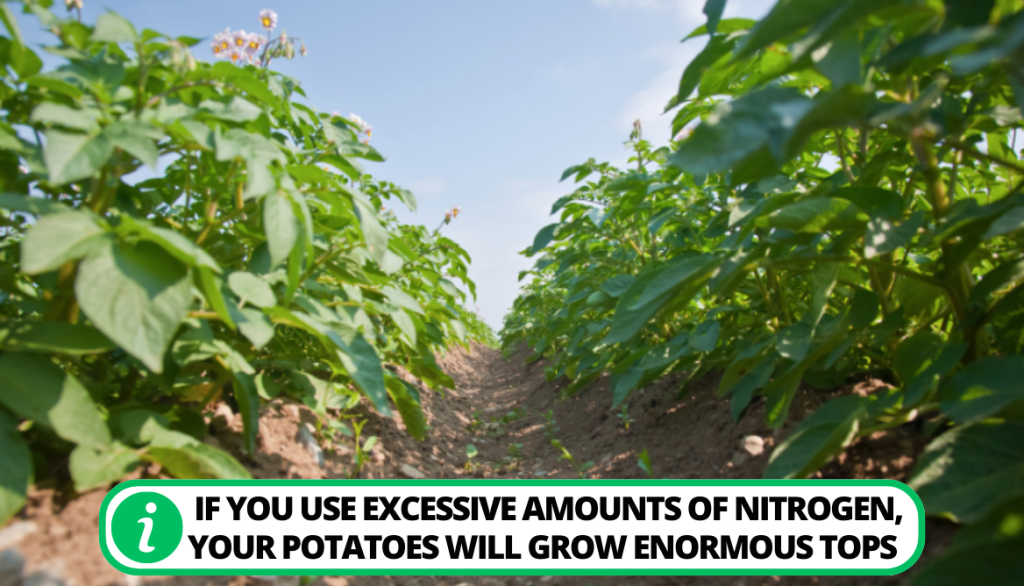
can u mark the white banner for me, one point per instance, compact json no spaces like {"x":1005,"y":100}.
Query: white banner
{"x":531,"y":527}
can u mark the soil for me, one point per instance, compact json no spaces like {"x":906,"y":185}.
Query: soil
{"x":496,"y":405}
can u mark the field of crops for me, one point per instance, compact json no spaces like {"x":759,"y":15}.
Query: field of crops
{"x":842,"y":200}
{"x":841,"y":204}
{"x":259,"y":261}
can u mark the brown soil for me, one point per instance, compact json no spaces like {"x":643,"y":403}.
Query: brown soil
{"x":687,"y":435}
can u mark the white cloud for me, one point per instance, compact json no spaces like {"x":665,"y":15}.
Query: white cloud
{"x":429,"y":186}
{"x":648,"y":103}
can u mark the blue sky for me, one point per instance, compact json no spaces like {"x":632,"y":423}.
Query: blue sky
{"x":474,"y":103}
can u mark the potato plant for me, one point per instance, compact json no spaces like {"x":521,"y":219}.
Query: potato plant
{"x":256,"y":260}
{"x":842,"y":199}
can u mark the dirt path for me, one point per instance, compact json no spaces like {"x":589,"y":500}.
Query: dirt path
{"x":510,"y":413}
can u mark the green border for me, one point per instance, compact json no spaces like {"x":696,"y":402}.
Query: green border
{"x":511,"y":571}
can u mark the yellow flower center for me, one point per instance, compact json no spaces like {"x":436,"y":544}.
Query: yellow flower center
{"x":224,"y":44}
{"x":239,"y":42}
{"x":266,"y":22}
{"x":235,"y":56}
{"x":254,"y":44}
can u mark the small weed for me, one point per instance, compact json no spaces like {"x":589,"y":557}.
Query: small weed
{"x":476,"y":424}
{"x":581,"y":469}
{"x":471,"y":452}
{"x":362,"y":454}
{"x":624,"y":417}
{"x":549,"y":425}
{"x":644,"y":462}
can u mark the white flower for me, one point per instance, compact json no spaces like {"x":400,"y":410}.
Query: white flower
{"x":237,"y":54}
{"x":254,"y":43}
{"x":364,"y":127}
{"x":239,"y":39}
{"x":221,"y":43}
{"x":268,"y":19}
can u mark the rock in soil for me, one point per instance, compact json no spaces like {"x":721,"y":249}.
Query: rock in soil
{"x":411,"y":472}
{"x":15,"y":532}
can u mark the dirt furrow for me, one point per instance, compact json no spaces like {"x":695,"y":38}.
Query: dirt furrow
{"x":511,"y":414}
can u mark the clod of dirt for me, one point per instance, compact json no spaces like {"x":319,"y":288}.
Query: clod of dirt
{"x":411,"y":472}
{"x":753,"y":445}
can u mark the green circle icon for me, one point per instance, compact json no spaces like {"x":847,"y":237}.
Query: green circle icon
{"x":146,"y":527}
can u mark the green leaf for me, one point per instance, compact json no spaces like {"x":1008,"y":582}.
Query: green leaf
{"x":743,"y":391}
{"x":18,"y":202}
{"x":185,"y":457}
{"x":823,"y":280}
{"x":211,"y":285}
{"x":818,"y":214}
{"x":543,"y":238}
{"x":196,"y":461}
{"x":237,"y":109}
{"x":252,"y":289}
{"x":35,"y":388}
{"x":984,"y":388}
{"x":969,"y":12}
{"x":70,"y":157}
{"x":58,"y":238}
{"x":617,"y":285}
{"x":268,"y":389}
{"x":15,"y":467}
{"x":817,"y":439}
{"x":713,"y":9}
{"x":717,"y":48}
{"x":254,"y":325}
{"x":362,"y":364}
{"x":678,"y":271}
{"x":628,"y":321}
{"x":11,"y":23}
{"x":407,"y":400}
{"x":916,"y":353}
{"x":923,"y":387}
{"x":135,"y":137}
{"x":74,"y":118}
{"x":92,"y":468}
{"x":968,"y":470}
{"x":56,"y":337}
{"x":864,"y":308}
{"x":280,"y":226}
{"x":404,"y":324}
{"x":873,"y":201}
{"x":986,"y":552}
{"x":402,"y":299}
{"x":136,"y":295}
{"x":1007,"y":319}
{"x":884,"y":237}
{"x":249,"y":406}
{"x":840,"y":62}
{"x":375,"y":235}
{"x":704,"y":337}
{"x":996,"y":279}
{"x":112,"y":28}
{"x":623,"y":383}
{"x":173,"y":242}
{"x":740,"y":128}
